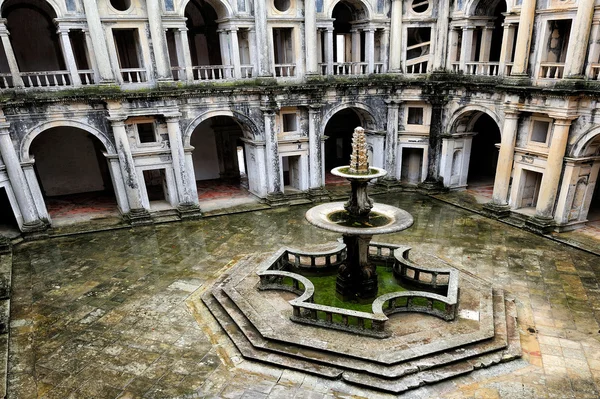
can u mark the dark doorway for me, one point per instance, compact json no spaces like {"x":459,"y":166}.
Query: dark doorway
{"x":338,"y":146}
{"x":8,"y":222}
{"x":484,"y":153}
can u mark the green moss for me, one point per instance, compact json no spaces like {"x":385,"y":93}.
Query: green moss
{"x":347,"y":171}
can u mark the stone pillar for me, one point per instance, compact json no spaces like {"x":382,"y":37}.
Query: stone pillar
{"x":320,"y":50}
{"x":578,"y":42}
{"x":67,"y":50}
{"x":225,"y":52}
{"x":466,"y":49}
{"x":391,"y":138}
{"x":370,"y":49}
{"x":453,"y":55}
{"x":329,"y":50}
{"x":184,"y":56}
{"x":396,"y":36}
{"x":98,"y":41}
{"x":594,"y":56}
{"x":263,"y":41}
{"x":443,"y":29}
{"x":505,"y":158}
{"x":385,"y":49}
{"x":31,"y":219}
{"x":508,"y":39}
{"x":355,"y":45}
{"x":253,"y":50}
{"x":484,"y":46}
{"x":524,"y":35}
{"x":274,"y":185}
{"x":235,"y":53}
{"x":186,"y":187}
{"x":432,"y":181}
{"x":159,"y":42}
{"x":314,"y":144}
{"x":91,"y":55}
{"x":310,"y":37}
{"x":137,"y":213}
{"x":551,"y":177}
{"x":10,"y":55}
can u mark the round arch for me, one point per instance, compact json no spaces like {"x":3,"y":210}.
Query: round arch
{"x":361,"y":5}
{"x":468,"y":114}
{"x":365,"y":114}
{"x":56,"y":6}
{"x":580,"y":144}
{"x":249,"y":128}
{"x":472,"y":6}
{"x":36,"y":131}
{"x":222,"y":8}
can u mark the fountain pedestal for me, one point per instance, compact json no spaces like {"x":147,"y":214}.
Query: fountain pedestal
{"x":357,"y":278}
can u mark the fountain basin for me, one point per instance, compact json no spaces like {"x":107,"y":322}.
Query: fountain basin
{"x":321,"y":216}
{"x":374,"y":173}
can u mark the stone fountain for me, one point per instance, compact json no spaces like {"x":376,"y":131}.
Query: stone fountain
{"x":358,"y":220}
{"x":433,"y":337}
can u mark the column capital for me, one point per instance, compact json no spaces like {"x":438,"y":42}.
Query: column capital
{"x":564,"y":120}
{"x":393,"y":102}
{"x":469,"y":27}
{"x":4,"y":126}
{"x":117,"y":120}
{"x":314,"y":109}
{"x":268,"y":111}
{"x":172,"y":116}
{"x":511,"y":113}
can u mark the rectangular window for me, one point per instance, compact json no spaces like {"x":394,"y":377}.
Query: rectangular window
{"x":539,"y":131}
{"x":559,"y":32}
{"x":417,"y":49}
{"x":285,"y":63}
{"x":146,"y":133}
{"x":415,"y":116}
{"x":290,"y":122}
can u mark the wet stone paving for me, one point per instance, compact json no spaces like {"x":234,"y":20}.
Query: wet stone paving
{"x":118,"y":314}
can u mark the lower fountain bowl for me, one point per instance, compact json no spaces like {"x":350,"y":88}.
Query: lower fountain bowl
{"x":396,"y":219}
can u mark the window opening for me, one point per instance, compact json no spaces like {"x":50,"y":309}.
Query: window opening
{"x":415,"y":115}
{"x":146,"y":133}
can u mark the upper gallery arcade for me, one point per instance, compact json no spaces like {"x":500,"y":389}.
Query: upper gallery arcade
{"x":144,"y":101}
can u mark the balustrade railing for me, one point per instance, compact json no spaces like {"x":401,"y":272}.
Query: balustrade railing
{"x":416,"y":68}
{"x":6,"y":81}
{"x":46,"y":79}
{"x":134,"y":75}
{"x":595,"y":71}
{"x":212,"y":72}
{"x":285,"y":70}
{"x":508,"y":69}
{"x":86,"y":76}
{"x":178,"y":73}
{"x":247,"y":71}
{"x":483,"y":68}
{"x":378,"y":67}
{"x":551,"y":70}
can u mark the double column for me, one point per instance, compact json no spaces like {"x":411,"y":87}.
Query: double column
{"x":67,"y":49}
{"x":274,"y":183}
{"x":466,"y":49}
{"x":184,"y":57}
{"x":508,"y":40}
{"x":526,"y":21}
{"x":18,"y":182}
{"x":505,"y":159}
{"x":549,"y":185}
{"x":186,"y":187}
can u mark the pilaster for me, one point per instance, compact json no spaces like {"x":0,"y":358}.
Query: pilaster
{"x":396,"y":36}
{"x":310,"y":37}
{"x":273,"y":165}
{"x":67,"y":49}
{"x":159,"y":42}
{"x":526,"y":20}
{"x":580,"y":36}
{"x":98,"y":41}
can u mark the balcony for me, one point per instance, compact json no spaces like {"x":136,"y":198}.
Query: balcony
{"x":595,"y":71}
{"x":285,"y":70}
{"x":482,"y":68}
{"x":417,"y":65}
{"x":351,"y":68}
{"x":212,"y":72}
{"x":551,"y":70}
{"x":46,"y":79}
{"x":134,"y":75}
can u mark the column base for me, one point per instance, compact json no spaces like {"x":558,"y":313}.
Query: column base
{"x":431,"y":187}
{"x":389,"y":183}
{"x":189,"y":211}
{"x":276,"y":199}
{"x":540,"y":225}
{"x":517,"y":80}
{"x":138,"y":217}
{"x":34,"y":227}
{"x":496,"y":211}
{"x":318,"y":195}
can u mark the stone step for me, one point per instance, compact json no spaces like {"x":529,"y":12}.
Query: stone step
{"x":361,"y":366}
{"x":248,"y":351}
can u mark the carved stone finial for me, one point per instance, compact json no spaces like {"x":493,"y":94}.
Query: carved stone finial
{"x":359,"y":162}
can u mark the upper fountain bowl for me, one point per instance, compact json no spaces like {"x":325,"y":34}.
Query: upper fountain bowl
{"x":344,"y":171}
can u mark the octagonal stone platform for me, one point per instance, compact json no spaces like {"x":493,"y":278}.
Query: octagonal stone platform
{"x":421,"y":349}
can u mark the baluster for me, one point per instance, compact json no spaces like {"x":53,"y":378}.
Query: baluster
{"x":4,"y":82}
{"x":548,"y":72}
{"x":328,"y":317}
{"x":345,"y":319}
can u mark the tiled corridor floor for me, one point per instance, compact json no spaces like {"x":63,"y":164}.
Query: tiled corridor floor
{"x":117,"y":314}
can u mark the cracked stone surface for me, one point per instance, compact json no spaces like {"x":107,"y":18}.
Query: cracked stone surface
{"x":118,"y":314}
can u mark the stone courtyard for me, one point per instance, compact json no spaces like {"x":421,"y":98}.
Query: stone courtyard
{"x":118,"y":314}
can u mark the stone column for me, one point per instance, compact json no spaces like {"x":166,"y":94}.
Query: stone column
{"x":526,"y":20}
{"x":505,"y":158}
{"x":31,"y":220}
{"x":329,"y":50}
{"x":137,"y":213}
{"x":320,"y":50}
{"x":391,"y":138}
{"x":594,"y":47}
{"x":396,"y":36}
{"x":370,"y":49}
{"x":225,"y":52}
{"x":10,"y":55}
{"x":274,"y":185}
{"x":314,"y":144}
{"x":98,"y":41}
{"x":580,"y":36}
{"x":484,"y":46}
{"x":508,"y":39}
{"x":253,"y":51}
{"x":235,"y":53}
{"x":67,"y":50}
{"x":432,"y":181}
{"x":184,"y":57}
{"x":443,"y":29}
{"x":466,"y":49}
{"x":385,"y":49}
{"x":263,"y":41}
{"x":186,"y":187}
{"x":453,"y":55}
{"x":91,"y":55}
{"x":310,"y":37}
{"x":551,"y":177}
{"x":159,"y":41}
{"x":355,"y":46}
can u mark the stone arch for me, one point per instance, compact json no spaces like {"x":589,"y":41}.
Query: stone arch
{"x":476,"y":7}
{"x":54,"y":4}
{"x":365,"y":114}
{"x":36,"y":131}
{"x":581,"y":144}
{"x":467,"y":116}
{"x":249,"y":128}
{"x":359,"y":5}
{"x":222,"y":8}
